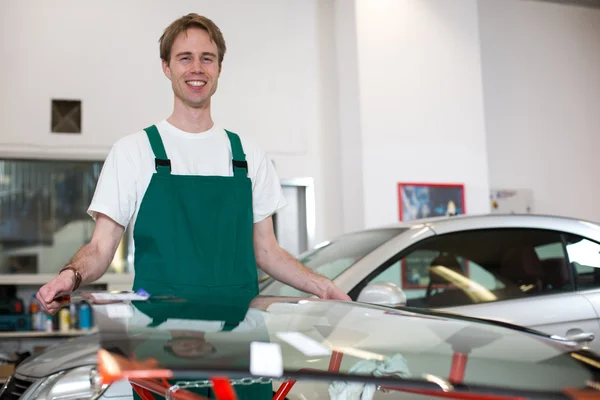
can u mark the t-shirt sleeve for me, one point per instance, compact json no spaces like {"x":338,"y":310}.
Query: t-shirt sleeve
{"x":267,"y":194}
{"x":115,"y":194}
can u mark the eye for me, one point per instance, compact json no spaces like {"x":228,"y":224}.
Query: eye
{"x":207,"y":59}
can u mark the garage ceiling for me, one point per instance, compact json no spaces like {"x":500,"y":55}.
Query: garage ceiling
{"x":584,"y":3}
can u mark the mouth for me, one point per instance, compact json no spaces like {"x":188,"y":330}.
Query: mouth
{"x":196,"y":84}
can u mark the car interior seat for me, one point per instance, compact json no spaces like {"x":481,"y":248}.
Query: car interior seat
{"x":442,"y":291}
{"x":521,"y":266}
{"x":556,"y":273}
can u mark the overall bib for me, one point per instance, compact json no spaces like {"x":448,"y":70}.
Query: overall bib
{"x":194,"y":235}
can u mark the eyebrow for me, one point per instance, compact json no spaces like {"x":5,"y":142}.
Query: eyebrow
{"x":189,"y":53}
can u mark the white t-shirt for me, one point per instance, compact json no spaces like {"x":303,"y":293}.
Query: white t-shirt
{"x":129,"y":166}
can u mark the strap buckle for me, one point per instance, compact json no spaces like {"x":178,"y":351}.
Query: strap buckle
{"x":240,"y":164}
{"x":162,"y":163}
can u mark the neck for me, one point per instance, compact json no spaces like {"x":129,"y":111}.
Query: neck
{"x":191,"y":119}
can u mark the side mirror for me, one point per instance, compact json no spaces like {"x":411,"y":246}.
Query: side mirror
{"x":382,"y":293}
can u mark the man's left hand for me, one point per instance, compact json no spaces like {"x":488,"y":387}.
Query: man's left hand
{"x":332,"y":292}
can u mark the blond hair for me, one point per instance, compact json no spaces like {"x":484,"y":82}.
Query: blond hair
{"x":184,"y":23}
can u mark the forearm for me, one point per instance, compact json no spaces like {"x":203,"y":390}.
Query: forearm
{"x":92,"y":261}
{"x":285,"y":268}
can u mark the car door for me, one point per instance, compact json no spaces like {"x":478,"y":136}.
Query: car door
{"x":520,"y":276}
{"x":584,"y":259}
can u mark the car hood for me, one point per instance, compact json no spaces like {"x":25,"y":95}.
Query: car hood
{"x":70,"y":353}
{"x":298,"y":337}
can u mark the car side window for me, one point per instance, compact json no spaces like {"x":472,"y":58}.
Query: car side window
{"x":479,"y":266}
{"x":584,"y":256}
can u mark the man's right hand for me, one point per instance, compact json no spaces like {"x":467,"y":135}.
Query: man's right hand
{"x":47,"y":293}
{"x":95,"y":256}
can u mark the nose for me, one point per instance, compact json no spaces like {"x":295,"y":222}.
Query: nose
{"x":197,"y":67}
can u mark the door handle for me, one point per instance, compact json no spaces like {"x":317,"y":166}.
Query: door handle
{"x":581,"y":337}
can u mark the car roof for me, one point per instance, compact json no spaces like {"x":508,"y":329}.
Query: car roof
{"x":484,"y":219}
{"x":490,"y":217}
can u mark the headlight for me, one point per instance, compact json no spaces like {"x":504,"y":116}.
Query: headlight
{"x":76,"y":384}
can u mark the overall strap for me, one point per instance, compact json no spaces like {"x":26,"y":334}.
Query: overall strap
{"x":240,"y":165}
{"x":161,"y":162}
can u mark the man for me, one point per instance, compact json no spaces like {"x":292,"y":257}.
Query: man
{"x":202,"y":198}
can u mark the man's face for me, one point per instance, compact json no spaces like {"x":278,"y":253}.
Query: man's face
{"x":193,"y":68}
{"x":191,"y":347}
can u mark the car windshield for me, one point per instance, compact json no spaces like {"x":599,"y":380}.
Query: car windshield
{"x":332,"y":258}
{"x":273,"y":337}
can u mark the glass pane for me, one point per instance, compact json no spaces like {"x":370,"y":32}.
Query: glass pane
{"x":202,"y":336}
{"x":335,"y":257}
{"x":392,"y":274}
{"x":585,"y":257}
{"x":43,"y":214}
{"x":552,"y":250}
{"x":484,"y":277}
{"x":417,"y":265}
{"x":484,"y":265}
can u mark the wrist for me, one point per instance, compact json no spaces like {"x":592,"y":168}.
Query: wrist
{"x":322,"y":285}
{"x":71,"y":273}
{"x":68,"y":277}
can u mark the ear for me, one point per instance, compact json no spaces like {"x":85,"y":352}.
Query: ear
{"x":166,"y":69}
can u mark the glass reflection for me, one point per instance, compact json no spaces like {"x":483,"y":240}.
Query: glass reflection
{"x":43,"y":214}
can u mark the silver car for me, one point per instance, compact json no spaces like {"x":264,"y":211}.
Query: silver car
{"x":335,"y":350}
{"x":541,"y":272}
{"x":535,"y":271}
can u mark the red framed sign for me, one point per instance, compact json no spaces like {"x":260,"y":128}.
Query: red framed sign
{"x":426,"y":200}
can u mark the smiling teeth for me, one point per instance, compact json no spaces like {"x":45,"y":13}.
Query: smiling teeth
{"x":196,"y":83}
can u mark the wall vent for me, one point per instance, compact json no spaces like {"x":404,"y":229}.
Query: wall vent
{"x":66,"y":116}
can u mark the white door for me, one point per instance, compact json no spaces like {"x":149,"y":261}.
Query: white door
{"x":519,"y":276}
{"x":560,"y":314}
{"x":584,"y":259}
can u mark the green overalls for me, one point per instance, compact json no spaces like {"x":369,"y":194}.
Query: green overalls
{"x":194,"y":234}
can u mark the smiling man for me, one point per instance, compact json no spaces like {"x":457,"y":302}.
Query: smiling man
{"x":202,"y":197}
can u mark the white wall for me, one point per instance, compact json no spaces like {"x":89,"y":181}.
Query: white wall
{"x":277,"y":84}
{"x":421,"y":100}
{"x":357,"y":94}
{"x":541,"y":69}
{"x":348,"y":114}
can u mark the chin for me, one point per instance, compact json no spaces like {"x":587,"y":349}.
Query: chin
{"x":195,"y":104}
